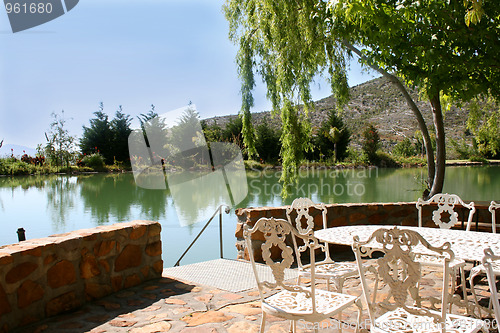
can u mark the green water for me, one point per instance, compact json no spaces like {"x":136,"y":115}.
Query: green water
{"x":46,"y":205}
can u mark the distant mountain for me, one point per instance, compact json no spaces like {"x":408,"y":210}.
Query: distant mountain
{"x":17,"y":150}
{"x":378,"y":102}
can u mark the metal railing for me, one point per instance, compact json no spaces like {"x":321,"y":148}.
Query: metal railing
{"x":227,"y":209}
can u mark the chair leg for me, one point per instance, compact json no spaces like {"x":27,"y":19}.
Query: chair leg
{"x":473,"y":274}
{"x":453,"y":280}
{"x":418,"y":299}
{"x":339,"y":284}
{"x":263,"y":322}
{"x":293,"y":326}
{"x":359,"y":305}
{"x":464,"y":290}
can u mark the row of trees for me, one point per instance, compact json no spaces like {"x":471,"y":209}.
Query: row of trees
{"x":103,"y":141}
{"x":329,"y":141}
{"x":107,"y":137}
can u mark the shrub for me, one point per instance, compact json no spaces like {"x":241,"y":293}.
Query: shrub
{"x":3,"y":169}
{"x":355,"y":157}
{"x":232,"y":131}
{"x":94,"y":161}
{"x":20,"y":168}
{"x":254,"y":165}
{"x":404,"y":148}
{"x":478,"y":158}
{"x":370,"y":143}
{"x":332,"y":139}
{"x":385,"y":160}
{"x":267,"y":143}
{"x":462,"y":149}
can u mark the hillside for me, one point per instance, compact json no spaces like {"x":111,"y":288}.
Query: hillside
{"x":378,"y":102}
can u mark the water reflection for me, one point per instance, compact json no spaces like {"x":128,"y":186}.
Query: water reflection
{"x":61,"y":195}
{"x":89,"y":200}
{"x":337,"y":186}
{"x":198,"y":196}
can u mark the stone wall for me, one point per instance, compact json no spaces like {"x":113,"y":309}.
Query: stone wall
{"x":399,"y":213}
{"x":47,"y":276}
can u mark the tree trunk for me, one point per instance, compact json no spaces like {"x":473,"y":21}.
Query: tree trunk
{"x":437,"y":116}
{"x":431,"y":167}
{"x":336,"y":152}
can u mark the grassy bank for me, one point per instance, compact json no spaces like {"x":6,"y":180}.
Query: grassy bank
{"x":383,"y":160}
{"x":14,"y":167}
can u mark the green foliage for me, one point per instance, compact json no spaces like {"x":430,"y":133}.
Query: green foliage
{"x":385,"y":160}
{"x":213,"y":133}
{"x":186,"y":127}
{"x":463,"y":150}
{"x":59,"y":148}
{"x":120,"y":128}
{"x":332,"y":139}
{"x":370,"y":143}
{"x":108,"y":138}
{"x":233,"y":131}
{"x":404,"y":148}
{"x":254,"y":165}
{"x":244,"y":60}
{"x":474,"y":11}
{"x":285,"y":43}
{"x":97,"y":137}
{"x":295,"y":140}
{"x":409,"y":161}
{"x":268,"y":144}
{"x":15,"y":167}
{"x":419,"y":144}
{"x":355,"y":157}
{"x":94,"y":161}
{"x":477,"y":158}
{"x":484,"y":123}
{"x":426,"y":43}
{"x":150,"y":119}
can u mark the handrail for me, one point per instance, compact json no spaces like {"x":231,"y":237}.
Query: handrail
{"x":227,"y":209}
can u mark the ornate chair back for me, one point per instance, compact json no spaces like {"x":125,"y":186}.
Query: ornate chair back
{"x":299,"y":215}
{"x":274,"y":233}
{"x":445,"y":205}
{"x":398,"y":274}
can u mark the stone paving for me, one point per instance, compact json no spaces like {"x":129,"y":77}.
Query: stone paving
{"x":168,"y":305}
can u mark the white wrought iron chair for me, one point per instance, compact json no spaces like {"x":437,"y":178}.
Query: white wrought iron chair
{"x":446,"y":206}
{"x":489,"y":261}
{"x":480,"y":269}
{"x":398,"y":275}
{"x":298,"y":215}
{"x":293,"y":301}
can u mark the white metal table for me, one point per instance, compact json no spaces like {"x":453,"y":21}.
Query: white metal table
{"x":467,"y":245}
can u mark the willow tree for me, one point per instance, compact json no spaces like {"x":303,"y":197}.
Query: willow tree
{"x":426,"y":45}
{"x":284,"y":43}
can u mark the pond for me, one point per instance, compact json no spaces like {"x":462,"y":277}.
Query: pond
{"x":46,"y":205}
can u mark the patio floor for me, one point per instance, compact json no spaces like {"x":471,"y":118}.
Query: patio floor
{"x":175,"y":305}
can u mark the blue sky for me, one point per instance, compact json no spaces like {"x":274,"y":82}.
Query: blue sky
{"x":129,"y":53}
